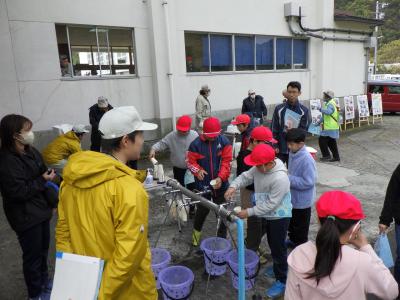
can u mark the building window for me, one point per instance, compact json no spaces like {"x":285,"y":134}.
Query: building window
{"x":221,"y":53}
{"x":95,"y":51}
{"x":299,"y":54}
{"x":376,"y":89}
{"x":244,"y":53}
{"x":197,"y":52}
{"x":283,"y":53}
{"x":264,"y":53}
{"x":214,"y":52}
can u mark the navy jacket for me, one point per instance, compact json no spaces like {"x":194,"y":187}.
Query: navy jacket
{"x":212,"y":156}
{"x":278,"y":122}
{"x":256,"y":109}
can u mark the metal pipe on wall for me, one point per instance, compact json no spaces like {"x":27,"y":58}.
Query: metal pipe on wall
{"x":170,"y":73}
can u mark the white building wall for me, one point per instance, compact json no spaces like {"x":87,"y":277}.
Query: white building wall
{"x":31,"y":84}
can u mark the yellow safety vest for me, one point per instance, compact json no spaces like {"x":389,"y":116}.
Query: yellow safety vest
{"x":331,"y":122}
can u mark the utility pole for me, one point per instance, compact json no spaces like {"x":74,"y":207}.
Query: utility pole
{"x":378,"y":16}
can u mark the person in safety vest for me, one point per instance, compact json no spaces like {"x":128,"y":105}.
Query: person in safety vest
{"x":57,"y":152}
{"x":330,"y":129}
{"x":103,"y":209}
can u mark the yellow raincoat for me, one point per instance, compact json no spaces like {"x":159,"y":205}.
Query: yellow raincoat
{"x":61,"y":148}
{"x":103,"y":212}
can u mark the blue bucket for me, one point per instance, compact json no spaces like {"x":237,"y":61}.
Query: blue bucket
{"x":215,"y":251}
{"x":251,"y":265}
{"x":160,"y":259}
{"x":176,"y":282}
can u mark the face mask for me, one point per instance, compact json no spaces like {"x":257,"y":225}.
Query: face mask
{"x":27,"y":138}
{"x":253,"y":97}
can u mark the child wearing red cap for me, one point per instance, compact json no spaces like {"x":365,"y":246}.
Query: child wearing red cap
{"x":209,"y":159}
{"x":178,"y":143}
{"x":259,"y":135}
{"x":272,"y":202}
{"x":332,"y":268}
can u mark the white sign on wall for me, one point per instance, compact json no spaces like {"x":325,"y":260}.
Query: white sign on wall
{"x":362,"y":104}
{"x":376,"y":104}
{"x":349,"y":108}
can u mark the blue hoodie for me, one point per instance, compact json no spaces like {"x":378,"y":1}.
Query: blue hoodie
{"x":303,"y":177}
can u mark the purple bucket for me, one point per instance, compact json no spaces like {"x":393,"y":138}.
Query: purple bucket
{"x":251,"y":266}
{"x":160,"y":259}
{"x":176,"y":282}
{"x":215,"y":251}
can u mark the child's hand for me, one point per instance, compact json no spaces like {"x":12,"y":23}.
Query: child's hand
{"x":243,"y":214}
{"x":200,"y":174}
{"x":230,"y":193}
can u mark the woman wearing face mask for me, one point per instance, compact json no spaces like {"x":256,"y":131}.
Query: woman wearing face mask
{"x":23,"y":177}
{"x":341,"y":264}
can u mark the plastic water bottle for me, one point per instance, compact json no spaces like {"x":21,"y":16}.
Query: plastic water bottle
{"x":149,"y":179}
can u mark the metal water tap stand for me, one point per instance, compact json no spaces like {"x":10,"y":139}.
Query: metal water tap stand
{"x":177,"y":194}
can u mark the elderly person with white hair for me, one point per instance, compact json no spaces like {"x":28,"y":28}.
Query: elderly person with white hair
{"x":254,"y":106}
{"x":96,"y":112}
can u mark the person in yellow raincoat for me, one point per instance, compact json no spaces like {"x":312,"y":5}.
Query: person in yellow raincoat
{"x":56,"y":153}
{"x":103,"y":208}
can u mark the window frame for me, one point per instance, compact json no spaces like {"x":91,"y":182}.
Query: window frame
{"x":234,"y":70}
{"x":396,"y":86}
{"x":101,"y":76}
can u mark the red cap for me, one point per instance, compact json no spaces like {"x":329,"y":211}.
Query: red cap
{"x":211,"y":127}
{"x":260,"y":155}
{"x":241,"y":119}
{"x":184,"y":123}
{"x":340,"y":204}
{"x":262,"y":133}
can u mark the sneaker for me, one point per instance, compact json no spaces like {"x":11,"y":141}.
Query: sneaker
{"x":269,"y":272}
{"x":334,"y":160}
{"x":325,"y":158}
{"x":290,"y":244}
{"x":276,"y":290}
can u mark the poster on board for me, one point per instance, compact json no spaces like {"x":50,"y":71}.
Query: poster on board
{"x":349,"y":113}
{"x":362,"y":105}
{"x":376,"y":104}
{"x":316,"y":115}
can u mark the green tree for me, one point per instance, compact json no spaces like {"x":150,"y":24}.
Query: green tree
{"x":389,"y":53}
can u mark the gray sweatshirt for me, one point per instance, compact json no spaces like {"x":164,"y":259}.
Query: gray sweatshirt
{"x":275,"y":184}
{"x":177,"y":145}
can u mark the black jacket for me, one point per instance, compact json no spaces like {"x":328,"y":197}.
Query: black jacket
{"x":278,"y":122}
{"x":391,"y":206}
{"x":242,"y":167}
{"x":23,"y":189}
{"x":256,"y":109}
{"x":95,"y":115}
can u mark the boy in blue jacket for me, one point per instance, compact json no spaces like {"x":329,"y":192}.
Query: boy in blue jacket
{"x":302,"y":176}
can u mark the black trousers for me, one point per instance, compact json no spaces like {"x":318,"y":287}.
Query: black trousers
{"x":276,"y":236}
{"x":299,"y":225}
{"x":95,"y":139}
{"x":256,"y":228}
{"x":327,"y":143}
{"x":35,"y":247}
{"x":202,"y":213}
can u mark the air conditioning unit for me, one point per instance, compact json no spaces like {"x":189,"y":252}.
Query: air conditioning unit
{"x":292,"y":9}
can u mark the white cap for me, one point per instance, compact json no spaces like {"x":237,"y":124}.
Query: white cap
{"x":251,"y":91}
{"x":79,"y":128}
{"x":204,"y":87}
{"x":121,"y":121}
{"x":102,"y":102}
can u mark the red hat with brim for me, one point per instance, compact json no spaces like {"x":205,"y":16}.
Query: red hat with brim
{"x":184,"y":123}
{"x":260,"y":155}
{"x":241,"y":119}
{"x":340,"y":204}
{"x":211,"y":127}
{"x":264,"y":134}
